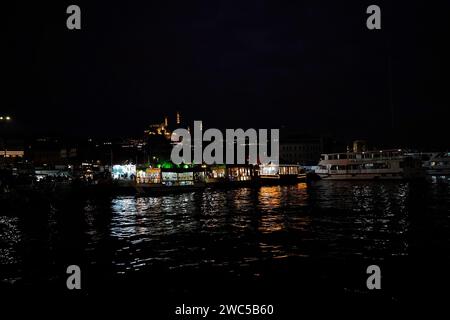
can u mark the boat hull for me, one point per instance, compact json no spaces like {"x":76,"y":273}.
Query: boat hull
{"x":359,"y":177}
{"x":282,"y":179}
{"x":371,"y":176}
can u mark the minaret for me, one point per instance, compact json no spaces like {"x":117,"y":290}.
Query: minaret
{"x":178,"y":118}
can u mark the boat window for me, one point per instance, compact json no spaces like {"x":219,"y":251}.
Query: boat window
{"x":150,"y":175}
{"x":169,"y":176}
{"x":270,"y":170}
{"x":185,"y":176}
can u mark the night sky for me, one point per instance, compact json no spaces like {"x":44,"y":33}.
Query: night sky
{"x":310,"y":65}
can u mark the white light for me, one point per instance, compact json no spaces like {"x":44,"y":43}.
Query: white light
{"x":8,"y":118}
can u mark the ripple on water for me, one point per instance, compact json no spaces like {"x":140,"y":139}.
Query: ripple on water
{"x":230,"y":229}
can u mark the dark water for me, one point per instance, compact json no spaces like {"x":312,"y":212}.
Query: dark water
{"x":315,"y":240}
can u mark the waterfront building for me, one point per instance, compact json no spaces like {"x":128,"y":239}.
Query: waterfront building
{"x":12,"y":151}
{"x":305,"y":153}
{"x":303,"y":149}
{"x":12,"y":154}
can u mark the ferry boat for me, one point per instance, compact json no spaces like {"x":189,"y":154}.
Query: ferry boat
{"x":216,"y":175}
{"x":379,"y":164}
{"x":281,"y":174}
{"x":169,"y":180}
{"x":240,"y":175}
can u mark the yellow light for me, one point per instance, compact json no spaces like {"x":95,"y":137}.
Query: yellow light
{"x":8,"y":118}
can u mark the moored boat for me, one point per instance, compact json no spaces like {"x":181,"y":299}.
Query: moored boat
{"x":368,"y":165}
{"x":169,"y":180}
{"x":281,"y":174}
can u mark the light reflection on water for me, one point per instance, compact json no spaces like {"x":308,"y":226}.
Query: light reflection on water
{"x":238,"y":228}
{"x":11,"y":236}
{"x":271,"y":222}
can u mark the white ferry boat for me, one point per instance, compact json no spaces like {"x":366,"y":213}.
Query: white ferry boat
{"x":379,"y":164}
